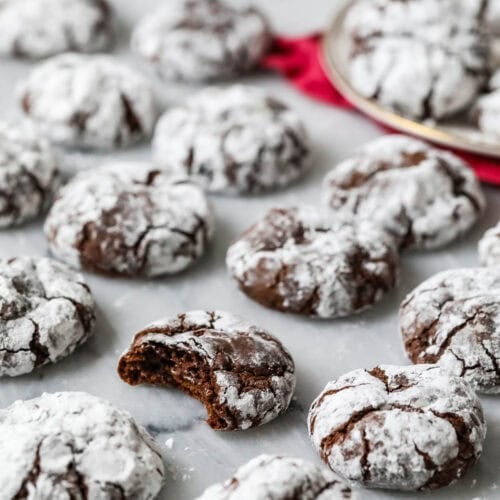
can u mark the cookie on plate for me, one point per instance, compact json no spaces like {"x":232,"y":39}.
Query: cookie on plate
{"x":29,"y":174}
{"x":272,"y":477}
{"x":129,"y":219}
{"x":41,"y":28}
{"x":92,"y":102}
{"x":489,"y":247}
{"x":293,"y":260}
{"x":74,"y":445}
{"x":422,"y":196}
{"x":196,"y":40}
{"x":421,"y":59}
{"x":486,"y":112}
{"x":242,"y":374}
{"x":404,"y":428}
{"x":453,"y":319}
{"x":46,"y":312}
{"x":233,"y":140}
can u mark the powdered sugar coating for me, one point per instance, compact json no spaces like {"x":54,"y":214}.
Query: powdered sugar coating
{"x":29,"y":174}
{"x":293,"y":260}
{"x":271,"y":477}
{"x":127,"y":218}
{"x":247,"y":376}
{"x":74,"y":445}
{"x":453,"y":319}
{"x":89,"y":101}
{"x":419,"y":58}
{"x":202,"y":39}
{"x":489,"y":247}
{"x":233,"y":140}
{"x":406,"y":428}
{"x":422,"y":196}
{"x":46,"y":312}
{"x":41,"y":28}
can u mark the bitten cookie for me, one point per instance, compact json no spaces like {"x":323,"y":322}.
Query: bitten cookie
{"x":46,"y":312}
{"x":294,"y":261}
{"x":420,"y":58}
{"x":74,"y":445}
{"x":453,"y":319}
{"x":29,"y":174}
{"x":489,"y":247}
{"x":89,"y":101}
{"x":404,"y":428}
{"x":233,"y":140}
{"x":242,"y":374}
{"x":202,"y":39}
{"x":41,"y":28}
{"x":271,"y":477}
{"x":129,"y":219}
{"x":422,"y":196}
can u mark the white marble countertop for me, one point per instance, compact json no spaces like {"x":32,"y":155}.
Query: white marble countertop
{"x":197,"y":456}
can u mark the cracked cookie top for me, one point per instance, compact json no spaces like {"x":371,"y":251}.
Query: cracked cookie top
{"x":422,"y":196}
{"x":74,"y":445}
{"x":29,"y":174}
{"x":233,"y":140}
{"x":202,"y":39}
{"x":419,"y":58}
{"x":41,"y":28}
{"x":89,"y":101}
{"x":46,"y":311}
{"x":272,"y":477}
{"x":453,"y":319}
{"x":129,"y":219}
{"x":242,"y":374}
{"x":405,"y":428}
{"x":489,"y":247}
{"x":293,"y":260}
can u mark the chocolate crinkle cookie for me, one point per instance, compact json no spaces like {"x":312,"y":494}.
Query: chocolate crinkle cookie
{"x":271,"y":477}
{"x":74,"y":445}
{"x":233,"y":140}
{"x":29,"y":175}
{"x":46,"y":312}
{"x":129,"y":219}
{"x":453,"y":319}
{"x":422,"y":196}
{"x":41,"y":28}
{"x":93,"y":102}
{"x":489,"y":247}
{"x":419,"y":58}
{"x":486,"y":112}
{"x":293,"y":260}
{"x":242,"y":374}
{"x":403,"y":428}
{"x":196,"y":40}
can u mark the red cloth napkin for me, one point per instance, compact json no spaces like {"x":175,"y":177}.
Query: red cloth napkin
{"x":300,"y":61}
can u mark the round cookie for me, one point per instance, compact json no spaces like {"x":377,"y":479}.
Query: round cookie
{"x":74,"y":445}
{"x":421,"y":59}
{"x":422,"y":196}
{"x":271,"y":477}
{"x":129,"y":219}
{"x":41,"y":28}
{"x":242,"y":374}
{"x":404,"y":428}
{"x":233,"y":140}
{"x":29,"y":174}
{"x":453,"y":319}
{"x":46,"y":312}
{"x":486,"y":112}
{"x":89,"y":101}
{"x":293,"y":260}
{"x":197,"y":40}
{"x":489,"y":247}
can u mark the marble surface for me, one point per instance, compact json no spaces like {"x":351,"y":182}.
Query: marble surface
{"x":195,"y":455}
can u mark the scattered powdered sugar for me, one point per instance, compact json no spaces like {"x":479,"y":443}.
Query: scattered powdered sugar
{"x":72,"y":443}
{"x":453,"y":319}
{"x":271,"y":477}
{"x":407,"y":428}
